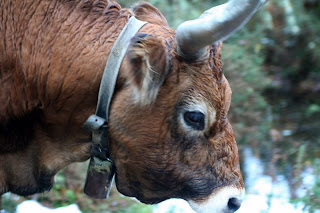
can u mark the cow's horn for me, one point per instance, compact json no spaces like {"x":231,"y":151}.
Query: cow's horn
{"x":214,"y":25}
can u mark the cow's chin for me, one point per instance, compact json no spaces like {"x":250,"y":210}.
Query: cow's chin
{"x":42,"y":182}
{"x":134,"y":190}
{"x":141,"y":197}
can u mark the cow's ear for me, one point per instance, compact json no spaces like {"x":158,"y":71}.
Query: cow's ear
{"x":148,"y":67}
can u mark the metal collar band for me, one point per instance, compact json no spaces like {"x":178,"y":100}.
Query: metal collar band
{"x":101,"y":168}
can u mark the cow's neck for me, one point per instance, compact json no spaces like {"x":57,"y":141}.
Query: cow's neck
{"x":59,"y":51}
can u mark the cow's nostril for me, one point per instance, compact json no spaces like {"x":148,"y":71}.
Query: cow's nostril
{"x":234,"y":204}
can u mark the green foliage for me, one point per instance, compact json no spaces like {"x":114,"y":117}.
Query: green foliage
{"x":177,"y":11}
{"x":296,"y":54}
{"x":243,"y":66}
{"x":311,"y":200}
{"x":136,"y":208}
{"x":312,"y":110}
{"x":60,"y":195}
{"x":8,"y":204}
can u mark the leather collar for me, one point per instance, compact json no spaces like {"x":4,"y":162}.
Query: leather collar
{"x":101,"y":168}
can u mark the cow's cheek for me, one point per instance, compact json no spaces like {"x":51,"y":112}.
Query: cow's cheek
{"x":124,"y":179}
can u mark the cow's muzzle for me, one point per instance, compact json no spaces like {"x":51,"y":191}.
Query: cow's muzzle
{"x":226,"y":200}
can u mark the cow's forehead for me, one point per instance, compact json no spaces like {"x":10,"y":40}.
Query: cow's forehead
{"x":206,"y":81}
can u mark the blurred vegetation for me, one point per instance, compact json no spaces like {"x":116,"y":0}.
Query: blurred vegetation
{"x":273,"y":68}
{"x":311,"y":200}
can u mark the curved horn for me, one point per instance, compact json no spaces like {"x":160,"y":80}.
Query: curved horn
{"x":214,"y":25}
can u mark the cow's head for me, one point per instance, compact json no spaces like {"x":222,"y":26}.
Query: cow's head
{"x":169,"y":132}
{"x":168,"y":121}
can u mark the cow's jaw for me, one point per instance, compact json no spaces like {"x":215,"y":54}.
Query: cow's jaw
{"x":225,"y":200}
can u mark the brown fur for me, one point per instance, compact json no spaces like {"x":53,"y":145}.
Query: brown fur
{"x":52,"y":55}
{"x":52,"y":58}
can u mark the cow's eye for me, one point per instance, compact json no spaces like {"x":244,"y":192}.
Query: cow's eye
{"x":194,"y":119}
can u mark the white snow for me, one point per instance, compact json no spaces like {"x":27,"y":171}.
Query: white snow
{"x":35,"y":207}
{"x":173,"y":206}
{"x":262,"y":193}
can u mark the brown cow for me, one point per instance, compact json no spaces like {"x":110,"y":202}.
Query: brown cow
{"x":170,"y":136}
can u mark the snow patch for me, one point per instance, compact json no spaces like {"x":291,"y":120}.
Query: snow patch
{"x":35,"y":207}
{"x":173,"y":206}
